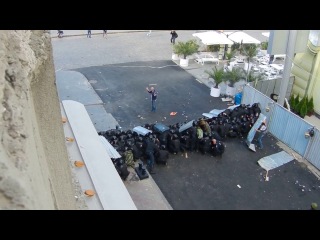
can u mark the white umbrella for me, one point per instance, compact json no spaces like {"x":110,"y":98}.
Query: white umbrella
{"x":241,"y":37}
{"x":213,"y":38}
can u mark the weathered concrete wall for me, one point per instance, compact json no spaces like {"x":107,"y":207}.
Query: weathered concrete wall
{"x":34,"y":166}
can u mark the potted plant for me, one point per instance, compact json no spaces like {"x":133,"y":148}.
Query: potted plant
{"x":175,"y":56}
{"x":249,"y":50}
{"x":264,"y":45}
{"x":296,"y":104}
{"x":255,"y":77}
{"x":303,"y":109}
{"x":292,"y":102}
{"x":217,"y":75}
{"x":230,"y":55}
{"x":231,"y":77}
{"x":185,"y":49}
{"x":310,"y":107}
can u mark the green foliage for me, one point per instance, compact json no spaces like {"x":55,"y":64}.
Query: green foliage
{"x":255,"y":77}
{"x":216,"y":74}
{"x":303,"y":108}
{"x":264,"y":45}
{"x":292,"y":102}
{"x":233,"y":76}
{"x":249,"y":46}
{"x":250,"y":50}
{"x":296,"y":103}
{"x":310,"y":106}
{"x":230,"y":55}
{"x":186,"y":48}
{"x":235,"y":46}
{"x":213,"y":48}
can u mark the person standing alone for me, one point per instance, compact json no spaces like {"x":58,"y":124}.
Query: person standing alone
{"x":104,"y":33}
{"x":89,"y":34}
{"x":60,"y":33}
{"x":174,"y":35}
{"x":154,"y":95}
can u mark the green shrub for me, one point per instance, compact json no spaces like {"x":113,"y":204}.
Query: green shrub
{"x":296,"y":103}
{"x":292,"y":102}
{"x":230,"y":55}
{"x":235,"y":46}
{"x":186,"y":48}
{"x":303,"y":109}
{"x":310,"y":106}
{"x":213,"y":48}
{"x":217,"y":75}
{"x":264,"y":45}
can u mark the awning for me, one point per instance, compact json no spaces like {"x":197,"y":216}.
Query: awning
{"x":241,"y":37}
{"x":212,"y":38}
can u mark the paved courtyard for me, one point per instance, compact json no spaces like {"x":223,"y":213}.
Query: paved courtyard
{"x":119,"y":69}
{"x":201,"y":181}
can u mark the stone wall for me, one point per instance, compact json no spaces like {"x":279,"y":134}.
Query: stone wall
{"x":34,"y":167}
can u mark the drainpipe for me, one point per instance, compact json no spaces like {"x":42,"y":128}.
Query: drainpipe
{"x":287,"y":65}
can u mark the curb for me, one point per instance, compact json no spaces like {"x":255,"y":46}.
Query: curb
{"x":84,"y":34}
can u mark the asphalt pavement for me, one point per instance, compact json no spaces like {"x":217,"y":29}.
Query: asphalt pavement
{"x":200,"y":182}
{"x":120,"y":67}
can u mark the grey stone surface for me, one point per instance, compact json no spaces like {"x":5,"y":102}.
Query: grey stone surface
{"x":74,"y":86}
{"x":102,"y":120}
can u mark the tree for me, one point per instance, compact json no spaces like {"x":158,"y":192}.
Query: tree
{"x":230,"y":55}
{"x":233,"y":76}
{"x":217,"y":75}
{"x":255,"y":77}
{"x":250,"y":50}
{"x":235,"y":46}
{"x":186,"y":48}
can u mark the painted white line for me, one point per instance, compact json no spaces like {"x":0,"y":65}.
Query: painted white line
{"x":199,"y":81}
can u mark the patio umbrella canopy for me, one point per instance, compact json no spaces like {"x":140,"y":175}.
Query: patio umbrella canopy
{"x":241,"y":37}
{"x":212,"y":38}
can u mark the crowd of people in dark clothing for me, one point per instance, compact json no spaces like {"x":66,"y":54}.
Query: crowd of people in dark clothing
{"x":205,"y":136}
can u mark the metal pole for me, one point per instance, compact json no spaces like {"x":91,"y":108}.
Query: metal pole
{"x":287,"y":65}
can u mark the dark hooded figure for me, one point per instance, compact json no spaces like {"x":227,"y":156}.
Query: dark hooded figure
{"x":150,"y":148}
{"x":217,"y":147}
